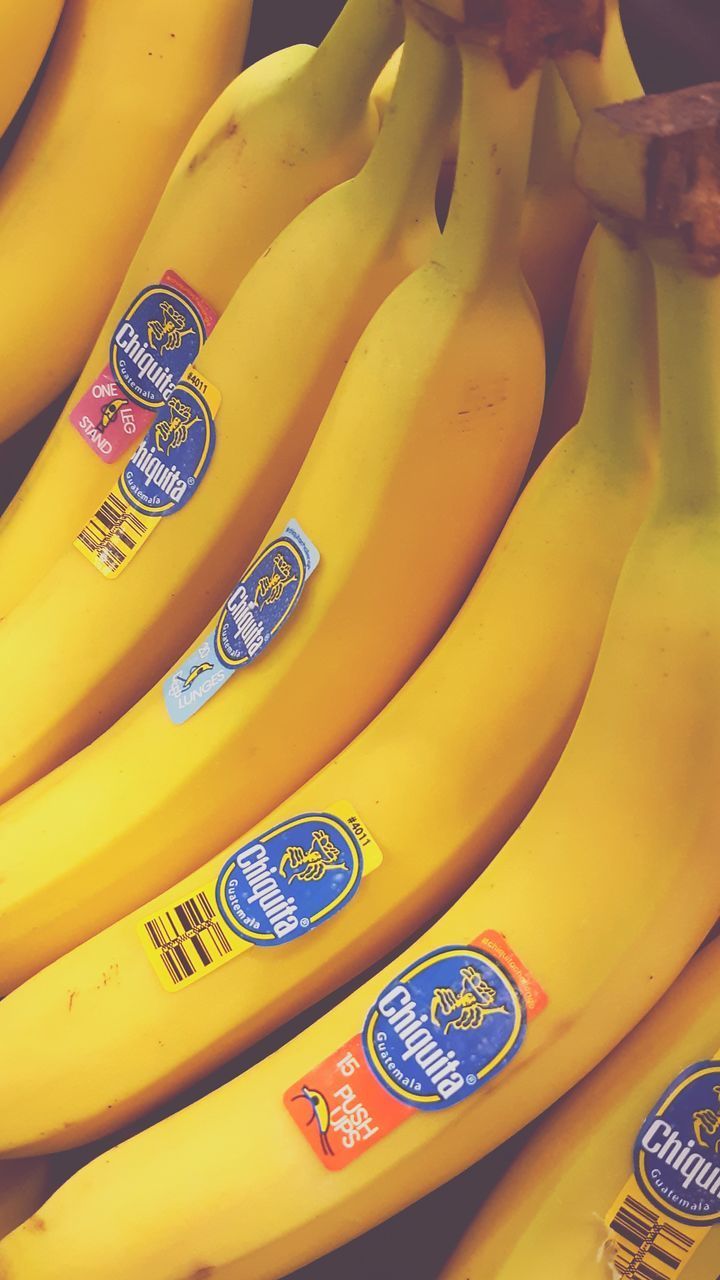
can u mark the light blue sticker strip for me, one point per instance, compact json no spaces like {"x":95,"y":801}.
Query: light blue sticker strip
{"x":255,"y":611}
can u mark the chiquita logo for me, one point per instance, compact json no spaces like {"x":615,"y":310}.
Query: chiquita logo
{"x":160,"y":335}
{"x":444,"y":1027}
{"x":290,"y":880}
{"x":677,"y":1153}
{"x":261,"y":602}
{"x":171,"y":459}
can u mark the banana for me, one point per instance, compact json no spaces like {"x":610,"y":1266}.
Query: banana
{"x":346,"y":252}
{"x":281,"y":134}
{"x":492,"y":702}
{"x":549,"y":1216}
{"x":24,"y":1185}
{"x":125,"y":83}
{"x":447,"y":381}
{"x":24,"y":39}
{"x":587,"y":915}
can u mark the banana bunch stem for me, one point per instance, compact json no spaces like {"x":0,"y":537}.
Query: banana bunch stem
{"x":344,"y":68}
{"x":482,"y":233}
{"x":403,"y":167}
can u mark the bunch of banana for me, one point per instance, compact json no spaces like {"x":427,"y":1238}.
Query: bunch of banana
{"x":447,"y":381}
{"x":24,"y":40}
{"x":569,"y":1209}
{"x":577,"y":928}
{"x":491,"y":703}
{"x":286,"y":130}
{"x":276,"y":374}
{"x":125,"y":85}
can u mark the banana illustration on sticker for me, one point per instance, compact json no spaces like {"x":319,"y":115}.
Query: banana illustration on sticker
{"x":174,"y":432}
{"x":110,"y":413}
{"x":194,"y":674}
{"x":271,"y":586}
{"x":319,"y":1115}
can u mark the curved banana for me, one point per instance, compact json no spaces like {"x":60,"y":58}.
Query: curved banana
{"x":447,"y":381}
{"x":25,"y":34}
{"x":24,"y":1185}
{"x":276,"y":374}
{"x":576,"y":1167}
{"x":126,"y":82}
{"x":578,"y":927}
{"x":442,"y":774}
{"x":281,"y":134}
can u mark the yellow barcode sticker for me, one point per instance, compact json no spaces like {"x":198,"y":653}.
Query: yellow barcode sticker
{"x":269,"y":892}
{"x":672,"y":1200}
{"x":162,"y":475}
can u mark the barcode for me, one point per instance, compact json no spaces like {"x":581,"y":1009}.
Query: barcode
{"x":649,"y":1247}
{"x":113,"y":532}
{"x":189,"y":937}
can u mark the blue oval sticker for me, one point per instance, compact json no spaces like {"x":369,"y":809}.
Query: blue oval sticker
{"x":171,"y":459}
{"x":159,"y":336}
{"x":447,"y":1024}
{"x":290,"y":880}
{"x":677,"y":1152}
{"x":261,"y":602}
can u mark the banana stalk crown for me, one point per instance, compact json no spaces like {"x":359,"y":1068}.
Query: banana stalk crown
{"x":522,"y":33}
{"x":651,"y":168}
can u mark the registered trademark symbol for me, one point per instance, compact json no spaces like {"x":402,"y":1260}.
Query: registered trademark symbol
{"x":191,"y":481}
{"x":470,"y":1079}
{"x":305,"y":922}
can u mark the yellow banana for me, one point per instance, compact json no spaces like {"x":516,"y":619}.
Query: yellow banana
{"x":495,"y":701}
{"x":283,"y":132}
{"x":24,"y":1185}
{"x":276,"y":373}
{"x":551,"y":1215}
{"x":447,"y":382}
{"x":25,"y":34}
{"x":125,"y":85}
{"x":585,"y":918}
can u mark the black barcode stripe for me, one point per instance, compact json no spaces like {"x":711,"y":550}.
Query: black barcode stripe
{"x":651,"y":1242}
{"x":114,"y":522}
{"x":189,"y":937}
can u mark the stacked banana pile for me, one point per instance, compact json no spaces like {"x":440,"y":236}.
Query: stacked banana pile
{"x":367,"y":589}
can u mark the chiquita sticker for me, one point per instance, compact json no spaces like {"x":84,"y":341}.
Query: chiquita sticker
{"x":290,"y":880}
{"x":162,"y":475}
{"x":269,"y":892}
{"x":443,"y":1027}
{"x":161,"y":335}
{"x":154,"y":343}
{"x":171,"y":460}
{"x":254,"y":613}
{"x":447,"y":1024}
{"x":677,"y":1153}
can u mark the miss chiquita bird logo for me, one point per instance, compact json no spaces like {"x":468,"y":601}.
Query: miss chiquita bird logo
{"x":677,"y":1153}
{"x":293,"y":878}
{"x":171,"y":459}
{"x":159,"y":336}
{"x":443,"y":1027}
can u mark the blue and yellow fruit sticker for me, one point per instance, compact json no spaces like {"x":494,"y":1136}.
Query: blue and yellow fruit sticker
{"x":444,"y":1027}
{"x":251,"y":617}
{"x":155,"y":341}
{"x":672,"y":1198}
{"x":434,"y":1035}
{"x":162,"y":475}
{"x":267,"y":893}
{"x":159,"y":336}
